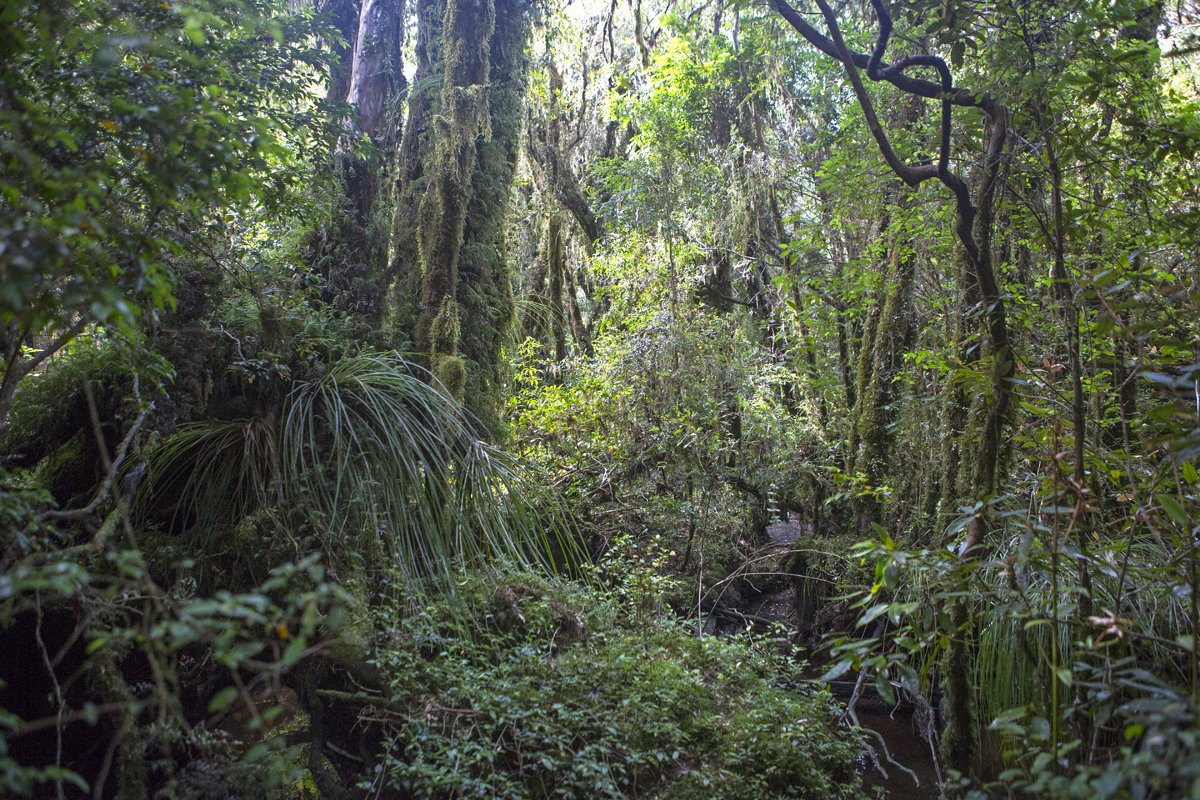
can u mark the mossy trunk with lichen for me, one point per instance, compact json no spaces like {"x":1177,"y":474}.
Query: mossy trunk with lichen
{"x":349,"y":249}
{"x":460,"y":123}
{"x":887,"y":336}
{"x":452,"y":293}
{"x":411,"y":178}
{"x":485,"y":292}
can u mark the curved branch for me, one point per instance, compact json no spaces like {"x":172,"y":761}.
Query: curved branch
{"x":911,"y":175}
{"x":874,"y":66}
{"x":917,"y":86}
{"x":835,"y":46}
{"x":877,"y":72}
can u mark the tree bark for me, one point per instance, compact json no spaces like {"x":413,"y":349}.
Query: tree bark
{"x":376,"y":77}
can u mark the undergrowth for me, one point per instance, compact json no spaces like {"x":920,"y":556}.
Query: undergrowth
{"x":533,"y":689}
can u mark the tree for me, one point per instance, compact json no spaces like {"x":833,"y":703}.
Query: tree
{"x":350,"y":247}
{"x":424,"y":201}
{"x":978,"y":283}
{"x":121,"y":129}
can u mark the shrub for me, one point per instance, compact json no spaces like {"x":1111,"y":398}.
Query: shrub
{"x":538,"y":690}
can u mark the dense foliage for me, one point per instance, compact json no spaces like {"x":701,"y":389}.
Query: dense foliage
{"x":516,"y":690}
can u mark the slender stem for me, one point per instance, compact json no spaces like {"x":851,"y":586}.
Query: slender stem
{"x":1054,"y":608}
{"x":58,"y":698}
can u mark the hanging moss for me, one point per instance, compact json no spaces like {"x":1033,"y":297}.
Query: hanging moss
{"x":455,"y":175}
{"x":887,"y":336}
{"x":485,"y":290}
{"x":424,"y":102}
{"x":445,"y":363}
{"x":349,"y":251}
{"x":446,"y":329}
{"x":461,"y":123}
{"x":452,"y":372}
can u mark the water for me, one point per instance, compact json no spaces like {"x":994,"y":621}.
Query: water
{"x":907,"y":747}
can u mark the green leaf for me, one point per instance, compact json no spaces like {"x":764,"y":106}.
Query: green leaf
{"x":885,"y":688}
{"x":1174,"y":510}
{"x":294,"y":651}
{"x":908,"y":677}
{"x":872,"y":613}
{"x":66,"y":776}
{"x":836,"y":671}
{"x":1040,"y":728}
{"x":891,"y":575}
{"x":193,"y":26}
{"x":222,"y":699}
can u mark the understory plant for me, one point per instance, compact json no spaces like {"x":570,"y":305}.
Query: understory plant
{"x":369,"y":451}
{"x":542,"y":689}
{"x":1082,"y":687}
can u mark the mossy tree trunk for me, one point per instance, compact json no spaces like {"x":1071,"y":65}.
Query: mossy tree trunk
{"x":460,"y":122}
{"x":556,"y":259}
{"x":457,"y":163}
{"x":887,"y":336}
{"x":411,"y":177}
{"x":424,"y":211}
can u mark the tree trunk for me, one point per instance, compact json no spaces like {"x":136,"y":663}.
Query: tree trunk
{"x":485,"y":293}
{"x":351,"y":250}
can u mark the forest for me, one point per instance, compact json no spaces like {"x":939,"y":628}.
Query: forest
{"x":599,"y":399}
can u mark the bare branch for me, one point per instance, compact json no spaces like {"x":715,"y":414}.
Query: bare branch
{"x":911,"y":175}
{"x":917,"y":86}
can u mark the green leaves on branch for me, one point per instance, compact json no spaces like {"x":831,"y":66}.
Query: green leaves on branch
{"x":122,"y":127}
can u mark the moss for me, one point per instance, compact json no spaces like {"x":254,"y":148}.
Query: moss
{"x":887,"y":335}
{"x":451,"y":372}
{"x":445,"y":329}
{"x":349,"y":250}
{"x":412,"y":176}
{"x":456,"y":169}
{"x":485,"y":294}
{"x":458,"y":123}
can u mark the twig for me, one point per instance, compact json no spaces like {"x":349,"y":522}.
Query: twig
{"x":58,"y":698}
{"x":111,"y":468}
{"x":733,"y":612}
{"x":106,"y":764}
{"x":853,"y":717}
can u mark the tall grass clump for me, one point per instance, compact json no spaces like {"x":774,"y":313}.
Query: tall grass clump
{"x":366,"y":449}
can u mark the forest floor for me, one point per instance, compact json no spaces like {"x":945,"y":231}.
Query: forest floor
{"x":786,"y":531}
{"x":777,"y":602}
